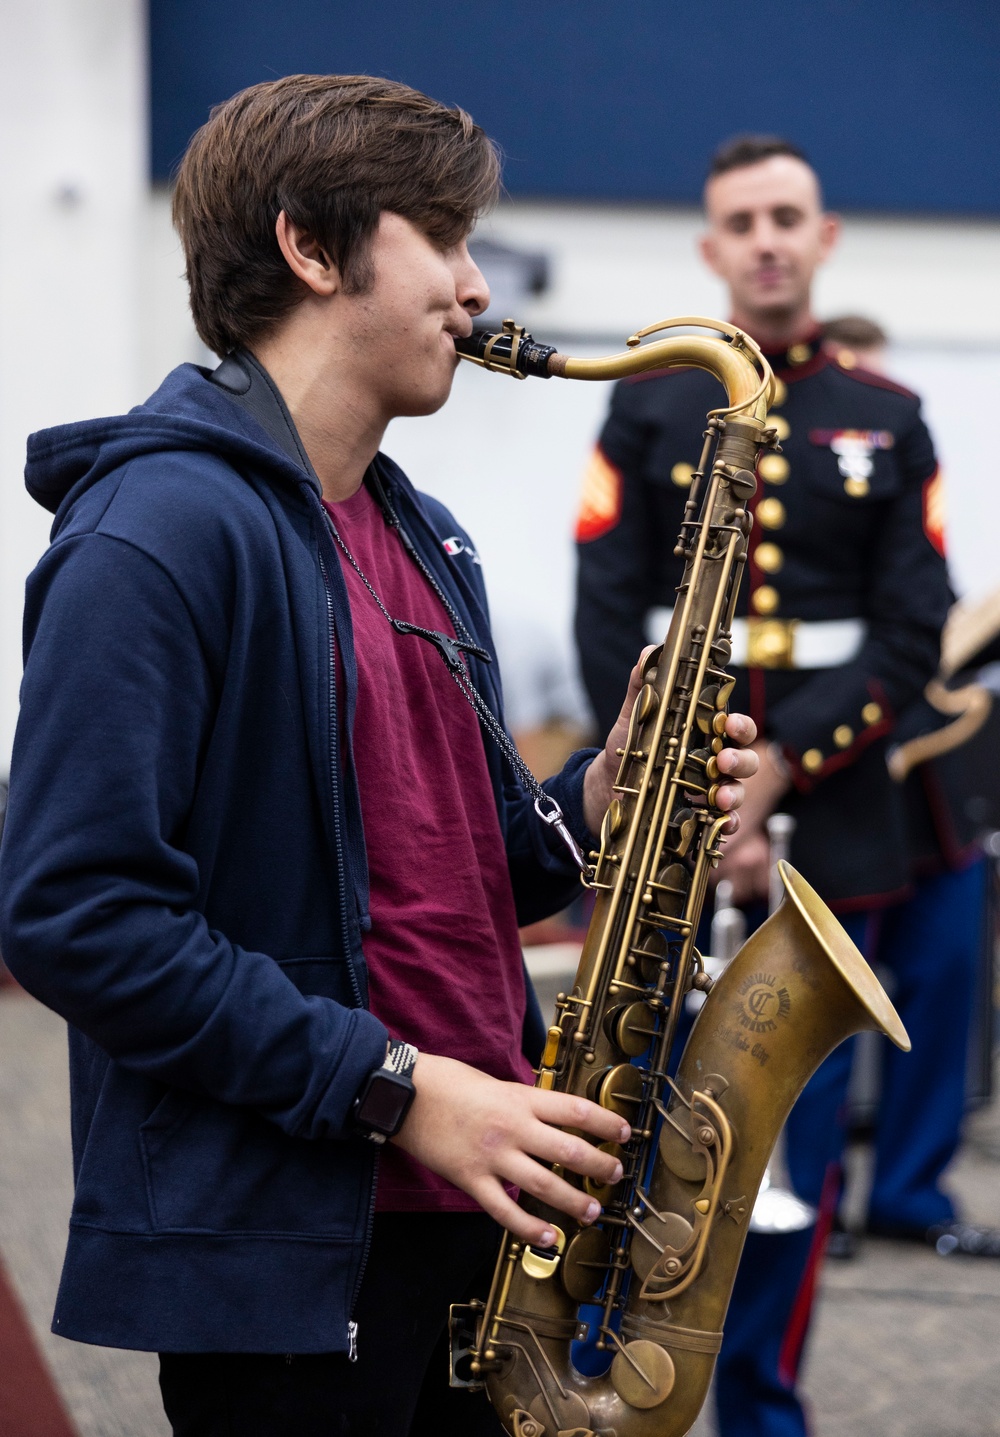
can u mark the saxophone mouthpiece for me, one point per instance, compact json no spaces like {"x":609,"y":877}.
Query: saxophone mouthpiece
{"x":509,"y":350}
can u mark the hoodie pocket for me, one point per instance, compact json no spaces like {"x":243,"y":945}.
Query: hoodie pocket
{"x":214,"y":1167}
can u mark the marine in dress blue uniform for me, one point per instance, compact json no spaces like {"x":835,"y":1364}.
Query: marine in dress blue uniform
{"x":935,"y":942}
{"x":838,"y":631}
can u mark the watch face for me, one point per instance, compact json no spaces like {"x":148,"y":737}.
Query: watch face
{"x":385,"y":1102}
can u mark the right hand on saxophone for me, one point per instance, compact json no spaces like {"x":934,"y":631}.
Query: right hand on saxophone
{"x":481,"y":1133}
{"x":737,"y":763}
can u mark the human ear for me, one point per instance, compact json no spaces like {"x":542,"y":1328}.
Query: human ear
{"x":829,"y":234}
{"x":306,"y":257}
{"x":708,"y":252}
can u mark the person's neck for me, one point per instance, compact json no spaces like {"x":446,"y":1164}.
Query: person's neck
{"x":336,"y":419}
{"x":776,"y":329}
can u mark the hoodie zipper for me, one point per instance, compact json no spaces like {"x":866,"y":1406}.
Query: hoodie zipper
{"x":338,"y":849}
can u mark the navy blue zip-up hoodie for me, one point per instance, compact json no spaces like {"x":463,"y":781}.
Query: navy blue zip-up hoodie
{"x":183,"y":872}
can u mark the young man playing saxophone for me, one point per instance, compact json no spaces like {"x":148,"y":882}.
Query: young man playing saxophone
{"x":262,"y":852}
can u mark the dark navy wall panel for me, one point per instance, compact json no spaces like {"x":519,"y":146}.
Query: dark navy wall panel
{"x":895,"y":100}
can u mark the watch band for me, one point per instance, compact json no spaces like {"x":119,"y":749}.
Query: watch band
{"x":400,"y":1057}
{"x":384,"y":1098}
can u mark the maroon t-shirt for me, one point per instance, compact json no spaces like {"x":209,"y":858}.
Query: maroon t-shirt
{"x":443,"y":954}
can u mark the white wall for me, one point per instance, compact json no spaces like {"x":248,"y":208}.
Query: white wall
{"x":505,"y":456}
{"x":929,"y":282}
{"x":72,"y":204}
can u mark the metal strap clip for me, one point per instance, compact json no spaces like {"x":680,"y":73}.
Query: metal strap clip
{"x":554,"y":817}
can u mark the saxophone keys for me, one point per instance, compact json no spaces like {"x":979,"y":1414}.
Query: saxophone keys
{"x":586,"y":1263}
{"x":541,"y":1263}
{"x":552,"y":1041}
{"x":643,"y":1374}
{"x":618,"y":1089}
{"x":571,"y":1414}
{"x":646,"y":703}
{"x":629,"y":1028}
{"x":603,"y":1192}
{"x":671,"y":888}
{"x":656,"y":1235}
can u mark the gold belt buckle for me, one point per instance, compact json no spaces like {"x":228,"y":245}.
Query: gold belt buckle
{"x":771,"y":643}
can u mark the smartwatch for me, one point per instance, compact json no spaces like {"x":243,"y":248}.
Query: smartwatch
{"x":385,"y":1096}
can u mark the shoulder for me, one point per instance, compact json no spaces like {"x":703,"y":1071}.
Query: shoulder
{"x":212,"y":531}
{"x":877,"y":388}
{"x":182,"y":504}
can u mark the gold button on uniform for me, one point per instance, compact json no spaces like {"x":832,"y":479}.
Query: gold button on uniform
{"x":769,"y":558}
{"x":843,"y":735}
{"x":771,"y":513}
{"x":856,"y":486}
{"x":779,"y":424}
{"x":765,"y":600}
{"x":799,"y":354}
{"x":812,"y":760}
{"x":872,"y":714}
{"x":773,"y":468}
{"x":780,"y":393}
{"x":847,"y":359}
{"x":682,"y":475}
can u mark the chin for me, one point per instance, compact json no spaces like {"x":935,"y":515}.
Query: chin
{"x":412,"y":406}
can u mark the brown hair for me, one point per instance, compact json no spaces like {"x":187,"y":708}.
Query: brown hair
{"x":855,"y":330}
{"x":743,"y":150}
{"x":333,"y":152}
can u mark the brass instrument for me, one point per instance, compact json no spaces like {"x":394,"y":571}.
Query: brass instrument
{"x":660,"y":1261}
{"x":778,"y":1208}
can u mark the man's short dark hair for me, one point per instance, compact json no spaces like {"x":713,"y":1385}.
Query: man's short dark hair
{"x":743,"y":150}
{"x":333,"y":152}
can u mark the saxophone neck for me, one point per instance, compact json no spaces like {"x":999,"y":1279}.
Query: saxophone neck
{"x":729,"y":354}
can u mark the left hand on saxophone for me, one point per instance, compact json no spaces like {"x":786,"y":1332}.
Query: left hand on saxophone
{"x":736,"y":763}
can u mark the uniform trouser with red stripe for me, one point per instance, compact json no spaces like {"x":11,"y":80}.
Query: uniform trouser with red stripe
{"x":932,"y":945}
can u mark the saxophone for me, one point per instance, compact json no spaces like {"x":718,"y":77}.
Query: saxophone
{"x":659,"y":1264}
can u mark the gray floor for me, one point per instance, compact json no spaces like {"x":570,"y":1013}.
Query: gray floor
{"x":906,"y":1344}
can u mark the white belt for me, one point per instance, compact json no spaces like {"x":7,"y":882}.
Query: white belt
{"x":783,"y":643}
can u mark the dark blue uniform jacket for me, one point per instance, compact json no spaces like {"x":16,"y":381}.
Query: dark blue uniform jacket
{"x":184,"y":874}
{"x":838,"y":550}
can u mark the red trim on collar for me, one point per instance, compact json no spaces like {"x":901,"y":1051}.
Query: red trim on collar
{"x":794,"y":372}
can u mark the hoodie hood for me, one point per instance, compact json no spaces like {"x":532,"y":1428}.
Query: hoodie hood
{"x":187,"y":412}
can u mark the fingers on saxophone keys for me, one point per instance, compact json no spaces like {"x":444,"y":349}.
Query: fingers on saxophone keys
{"x":503,"y":1210}
{"x":738,"y":762}
{"x":576,"y":1154}
{"x":741,"y":728}
{"x":730,"y":796}
{"x":568,"y":1111}
{"x":540,"y":1182}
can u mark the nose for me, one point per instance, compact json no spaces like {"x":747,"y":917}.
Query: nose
{"x":765,"y":234}
{"x":471,"y":289}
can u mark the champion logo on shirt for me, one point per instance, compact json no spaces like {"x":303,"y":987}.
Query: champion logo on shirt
{"x":455,"y":546}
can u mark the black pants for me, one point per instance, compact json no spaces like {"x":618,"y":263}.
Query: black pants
{"x":419,"y":1263}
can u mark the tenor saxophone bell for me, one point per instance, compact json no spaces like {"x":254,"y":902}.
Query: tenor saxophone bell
{"x":659,"y":1264}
